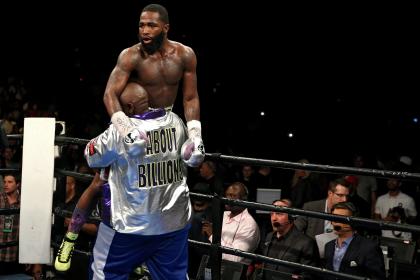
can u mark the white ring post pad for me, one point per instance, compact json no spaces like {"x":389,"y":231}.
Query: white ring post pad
{"x":37,"y":190}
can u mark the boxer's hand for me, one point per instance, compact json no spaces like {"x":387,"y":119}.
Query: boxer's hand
{"x":122,"y":123}
{"x":192,"y":151}
{"x":134,"y":138}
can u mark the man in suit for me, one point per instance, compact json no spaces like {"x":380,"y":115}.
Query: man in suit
{"x":287,"y":243}
{"x":338,"y":191}
{"x":351,"y":253}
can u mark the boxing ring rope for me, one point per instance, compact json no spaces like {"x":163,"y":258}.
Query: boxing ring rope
{"x":375,"y":224}
{"x":269,"y":207}
{"x":8,"y":244}
{"x":222,"y":249}
{"x":85,"y":177}
{"x":315,"y":167}
{"x":260,"y":206}
{"x":58,"y":139}
{"x":215,"y":248}
{"x":9,"y":170}
{"x":9,"y":211}
{"x":275,"y":163}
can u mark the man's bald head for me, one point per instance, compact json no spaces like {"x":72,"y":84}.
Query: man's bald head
{"x":134,"y":99}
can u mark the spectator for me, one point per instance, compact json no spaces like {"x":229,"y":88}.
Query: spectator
{"x":265,"y":177}
{"x":239,"y":229}
{"x":9,"y":226}
{"x":351,"y":253}
{"x":9,"y":230}
{"x":287,"y":243}
{"x":338,"y":192}
{"x":201,"y":212}
{"x":209,"y":175}
{"x":395,"y":206}
{"x":8,"y":160}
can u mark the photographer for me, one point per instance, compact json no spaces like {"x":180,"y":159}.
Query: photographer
{"x":395,"y":206}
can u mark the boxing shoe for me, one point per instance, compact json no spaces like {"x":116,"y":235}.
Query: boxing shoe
{"x":63,"y":259}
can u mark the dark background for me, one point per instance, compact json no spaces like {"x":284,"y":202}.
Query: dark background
{"x":341,"y":78}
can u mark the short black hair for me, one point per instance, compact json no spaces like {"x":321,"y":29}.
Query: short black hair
{"x":244,"y":190}
{"x":14,"y":175}
{"x":163,"y":13}
{"x":339,"y":181}
{"x":347,"y":206}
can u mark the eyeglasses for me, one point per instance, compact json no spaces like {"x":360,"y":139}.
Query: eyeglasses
{"x":341,"y":194}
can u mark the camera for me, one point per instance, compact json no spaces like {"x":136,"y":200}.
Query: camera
{"x":397,"y":213}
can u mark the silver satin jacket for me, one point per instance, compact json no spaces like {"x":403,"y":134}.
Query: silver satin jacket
{"x":149,"y":195}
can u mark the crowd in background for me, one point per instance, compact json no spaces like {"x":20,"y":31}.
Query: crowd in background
{"x":373,"y":197}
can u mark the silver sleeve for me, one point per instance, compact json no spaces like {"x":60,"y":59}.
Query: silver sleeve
{"x":102,"y":150}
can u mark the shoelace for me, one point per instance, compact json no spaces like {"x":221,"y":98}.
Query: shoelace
{"x":66,"y":249}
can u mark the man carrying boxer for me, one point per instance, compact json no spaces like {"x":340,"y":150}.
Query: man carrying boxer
{"x":150,"y":206}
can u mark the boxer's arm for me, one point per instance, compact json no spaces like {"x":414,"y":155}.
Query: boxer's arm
{"x":117,"y":81}
{"x":192,"y":151}
{"x":191,"y":100}
{"x":115,"y":86}
{"x":92,"y":191}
